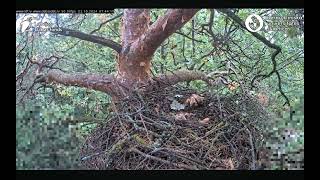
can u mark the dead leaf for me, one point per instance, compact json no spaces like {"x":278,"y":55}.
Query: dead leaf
{"x":232,"y":86}
{"x":204,"y":121}
{"x":164,"y":24}
{"x":231,"y":166}
{"x":194,"y":100}
{"x":142,"y":63}
{"x":182,"y":116}
{"x":182,"y":20}
{"x":157,"y":109}
{"x":263,"y":99}
{"x":141,"y":48}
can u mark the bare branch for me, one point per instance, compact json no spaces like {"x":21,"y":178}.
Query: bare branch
{"x":91,"y":38}
{"x":189,"y":37}
{"x":100,"y":82}
{"x":173,"y":78}
{"x":105,"y":22}
{"x":255,"y":34}
{"x":273,"y":56}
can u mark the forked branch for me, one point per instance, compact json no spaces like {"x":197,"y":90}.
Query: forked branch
{"x":160,"y":30}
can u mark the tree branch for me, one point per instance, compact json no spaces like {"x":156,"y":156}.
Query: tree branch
{"x":182,"y":166}
{"x":160,"y":30}
{"x":91,"y":38}
{"x":100,"y":82}
{"x":277,"y":48}
{"x":189,"y":37}
{"x":105,"y":22}
{"x":235,"y":18}
{"x":165,"y":80}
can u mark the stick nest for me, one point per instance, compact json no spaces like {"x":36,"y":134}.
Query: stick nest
{"x":147,"y":132}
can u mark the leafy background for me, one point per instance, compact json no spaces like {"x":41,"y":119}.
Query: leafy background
{"x":52,"y":121}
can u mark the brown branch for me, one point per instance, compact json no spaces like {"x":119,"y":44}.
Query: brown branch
{"x":192,"y":34}
{"x":100,"y":82}
{"x":91,"y":38}
{"x":173,"y":78}
{"x":183,"y":166}
{"x":160,"y":30}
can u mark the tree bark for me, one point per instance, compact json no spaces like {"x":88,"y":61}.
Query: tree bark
{"x":91,"y":38}
{"x":139,"y":41}
{"x":100,"y":82}
{"x":138,"y":44}
{"x":133,"y":67}
{"x":166,"y":80}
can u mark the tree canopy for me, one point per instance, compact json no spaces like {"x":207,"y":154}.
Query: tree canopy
{"x":65,"y":63}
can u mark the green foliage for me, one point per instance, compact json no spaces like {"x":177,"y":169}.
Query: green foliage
{"x":43,"y":141}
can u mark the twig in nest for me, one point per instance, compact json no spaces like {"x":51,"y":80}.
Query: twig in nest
{"x":162,"y":160}
{"x":253,"y":163}
{"x":209,"y":132}
{"x":144,"y":125}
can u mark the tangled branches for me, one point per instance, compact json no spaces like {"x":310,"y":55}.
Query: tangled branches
{"x":145,"y":133}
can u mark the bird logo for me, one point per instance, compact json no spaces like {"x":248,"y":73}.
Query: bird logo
{"x":254,"y":23}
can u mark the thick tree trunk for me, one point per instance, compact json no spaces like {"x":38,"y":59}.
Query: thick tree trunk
{"x":139,"y":41}
{"x":138,"y":44}
{"x":133,"y":67}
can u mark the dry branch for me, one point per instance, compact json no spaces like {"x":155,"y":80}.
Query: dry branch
{"x":91,"y":38}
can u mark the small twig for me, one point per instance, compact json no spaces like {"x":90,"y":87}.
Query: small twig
{"x":161,"y":160}
{"x":189,"y":37}
{"x":144,"y":125}
{"x":90,"y":156}
{"x":111,"y":19}
{"x":209,"y":132}
{"x":253,"y":163}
